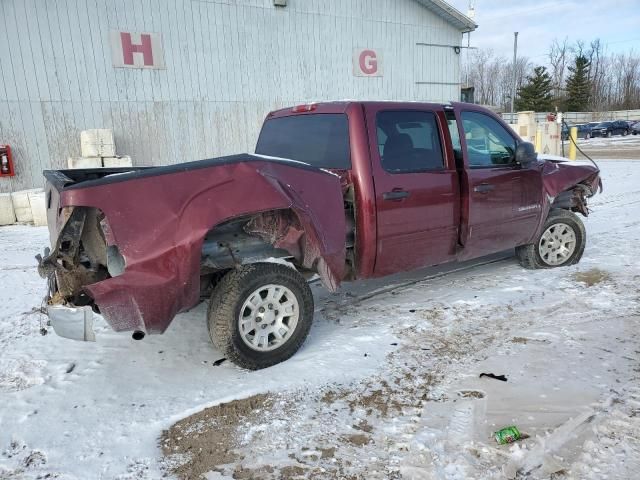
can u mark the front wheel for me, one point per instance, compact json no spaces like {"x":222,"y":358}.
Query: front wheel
{"x":260,"y":314}
{"x":560,"y":244}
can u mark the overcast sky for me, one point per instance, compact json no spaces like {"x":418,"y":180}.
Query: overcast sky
{"x":615,"y":22}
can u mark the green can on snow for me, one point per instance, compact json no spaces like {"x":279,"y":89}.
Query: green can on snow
{"x":507,"y":435}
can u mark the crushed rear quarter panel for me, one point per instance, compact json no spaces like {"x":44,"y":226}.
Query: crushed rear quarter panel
{"x":159,"y":221}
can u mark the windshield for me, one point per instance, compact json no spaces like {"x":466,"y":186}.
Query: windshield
{"x":321,"y":140}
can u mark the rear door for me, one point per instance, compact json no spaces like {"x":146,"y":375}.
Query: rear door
{"x":503,"y":201}
{"x":621,"y":127}
{"x":416,"y":187}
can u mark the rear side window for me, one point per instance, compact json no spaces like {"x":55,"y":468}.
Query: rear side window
{"x":409,"y":141}
{"x":321,"y":140}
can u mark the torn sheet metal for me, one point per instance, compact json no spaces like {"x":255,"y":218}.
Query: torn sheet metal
{"x":158,"y":219}
{"x":560,"y":176}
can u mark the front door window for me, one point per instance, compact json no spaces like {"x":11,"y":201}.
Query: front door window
{"x":489,"y":144}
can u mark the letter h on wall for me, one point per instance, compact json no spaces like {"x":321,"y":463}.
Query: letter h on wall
{"x":128,"y":52}
{"x":129,"y":48}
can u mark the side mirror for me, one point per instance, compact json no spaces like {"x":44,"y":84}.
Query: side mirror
{"x":526,"y":154}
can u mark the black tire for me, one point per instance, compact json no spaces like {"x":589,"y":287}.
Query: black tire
{"x":227,"y":301}
{"x":609,"y":134}
{"x":587,"y":136}
{"x":529,"y":255}
{"x":625,"y":133}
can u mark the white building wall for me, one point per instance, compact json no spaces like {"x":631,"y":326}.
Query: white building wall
{"x":228,"y":63}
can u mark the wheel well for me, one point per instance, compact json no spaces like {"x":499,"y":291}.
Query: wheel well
{"x":274,"y":235}
{"x":248,"y":239}
{"x":573,"y":199}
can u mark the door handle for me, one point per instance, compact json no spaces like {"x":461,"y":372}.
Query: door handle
{"x":483,"y":188}
{"x":395,"y":195}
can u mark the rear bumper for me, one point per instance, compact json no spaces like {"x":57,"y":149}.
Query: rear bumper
{"x":75,"y":323}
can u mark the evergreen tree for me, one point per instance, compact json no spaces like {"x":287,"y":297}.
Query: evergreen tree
{"x":578,"y":85}
{"x":536,"y":93}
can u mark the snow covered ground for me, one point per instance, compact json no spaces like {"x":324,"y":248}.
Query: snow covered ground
{"x":387,"y":386}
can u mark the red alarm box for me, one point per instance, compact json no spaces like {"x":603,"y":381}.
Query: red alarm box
{"x":6,"y":162}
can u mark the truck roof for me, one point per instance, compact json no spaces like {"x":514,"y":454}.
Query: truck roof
{"x":340,"y":106}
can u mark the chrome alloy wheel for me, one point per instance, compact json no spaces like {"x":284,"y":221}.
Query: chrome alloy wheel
{"x":557,"y":244}
{"x":268,"y":317}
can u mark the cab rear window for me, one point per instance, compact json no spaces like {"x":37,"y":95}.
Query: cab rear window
{"x":321,"y":140}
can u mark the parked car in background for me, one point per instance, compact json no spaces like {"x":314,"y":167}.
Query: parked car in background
{"x":584,"y":131}
{"x":608,"y":129}
{"x":635,"y":128}
{"x":591,"y":126}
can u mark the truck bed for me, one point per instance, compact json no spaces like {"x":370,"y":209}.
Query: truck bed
{"x":129,"y":241}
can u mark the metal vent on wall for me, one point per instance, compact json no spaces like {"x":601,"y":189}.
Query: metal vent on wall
{"x":280,"y":3}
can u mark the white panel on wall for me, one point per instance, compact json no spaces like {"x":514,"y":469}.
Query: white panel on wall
{"x":136,"y":49}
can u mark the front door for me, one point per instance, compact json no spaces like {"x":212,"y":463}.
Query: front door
{"x":416,"y":185}
{"x":502,"y":204}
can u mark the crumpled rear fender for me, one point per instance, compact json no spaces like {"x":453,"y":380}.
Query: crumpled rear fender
{"x":159,"y":224}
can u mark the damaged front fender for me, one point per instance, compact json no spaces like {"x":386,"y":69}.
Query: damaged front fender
{"x":558,"y":177}
{"x":567,"y":186}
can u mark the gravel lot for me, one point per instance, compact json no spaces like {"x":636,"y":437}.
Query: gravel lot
{"x":627,"y":147}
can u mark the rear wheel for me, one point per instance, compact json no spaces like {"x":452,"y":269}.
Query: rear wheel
{"x":260,"y":314}
{"x":587,"y":136}
{"x":609,"y":134}
{"x":560,"y":244}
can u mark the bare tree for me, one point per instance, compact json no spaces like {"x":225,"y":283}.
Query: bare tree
{"x":614,"y":78}
{"x":558,"y":53}
{"x":492,"y":76}
{"x":626,"y":81}
{"x":597,"y":74}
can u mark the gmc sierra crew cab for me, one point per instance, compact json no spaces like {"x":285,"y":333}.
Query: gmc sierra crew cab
{"x":343,"y":190}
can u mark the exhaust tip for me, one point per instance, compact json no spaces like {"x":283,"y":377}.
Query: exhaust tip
{"x":138,"y":335}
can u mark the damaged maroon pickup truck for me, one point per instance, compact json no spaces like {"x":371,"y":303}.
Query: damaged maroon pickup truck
{"x":344,"y":190}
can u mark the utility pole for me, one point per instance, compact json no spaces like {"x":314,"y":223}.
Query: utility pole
{"x":513,"y":85}
{"x":471,"y":13}
{"x":466,"y":83}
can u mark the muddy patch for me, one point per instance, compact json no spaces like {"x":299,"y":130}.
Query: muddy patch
{"x":207,"y":439}
{"x":358,"y":439}
{"x":471,"y":394}
{"x":336,"y":431}
{"x":525,"y":340}
{"x":592,"y":277}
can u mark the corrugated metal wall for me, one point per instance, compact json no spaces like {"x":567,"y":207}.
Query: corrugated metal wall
{"x":227,"y":64}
